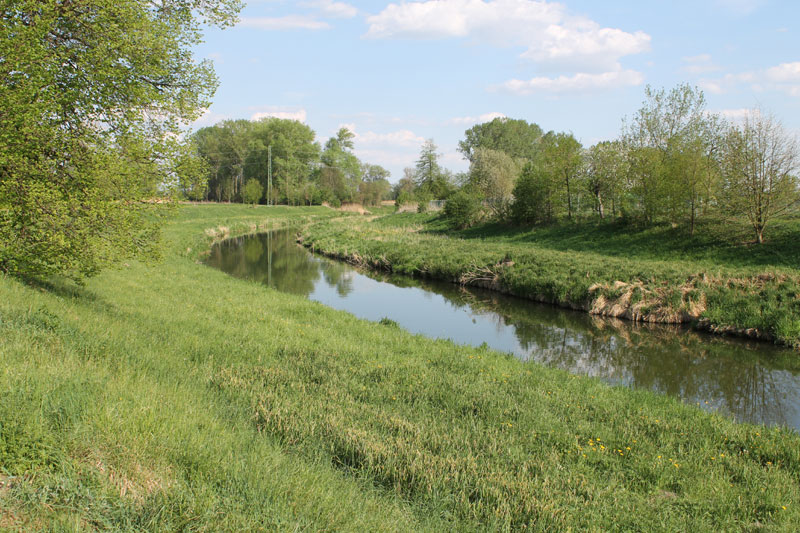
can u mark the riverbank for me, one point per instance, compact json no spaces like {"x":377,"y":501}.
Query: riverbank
{"x":637,"y":275}
{"x":172,"y":396}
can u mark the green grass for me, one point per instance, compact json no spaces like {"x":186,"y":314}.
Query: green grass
{"x":654,"y":274}
{"x":174,"y":397}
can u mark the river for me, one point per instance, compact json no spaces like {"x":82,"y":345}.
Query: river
{"x":748,"y":380}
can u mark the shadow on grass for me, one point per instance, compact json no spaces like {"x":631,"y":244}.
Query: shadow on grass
{"x":714,"y":241}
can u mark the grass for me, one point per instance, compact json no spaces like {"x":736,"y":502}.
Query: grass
{"x":174,"y":397}
{"x":654,"y":274}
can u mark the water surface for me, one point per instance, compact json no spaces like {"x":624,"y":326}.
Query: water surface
{"x":749,"y":380}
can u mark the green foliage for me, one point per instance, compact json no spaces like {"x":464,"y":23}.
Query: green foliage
{"x":344,"y":165}
{"x":91,"y":98}
{"x":236,"y":151}
{"x":253,"y":191}
{"x":423,"y":198}
{"x":404,"y":198}
{"x":463,"y":209}
{"x":534,"y":196}
{"x":375,"y":186}
{"x":493,"y":175}
{"x":514,"y":137}
{"x":431,"y":180}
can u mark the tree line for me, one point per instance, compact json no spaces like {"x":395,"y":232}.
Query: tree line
{"x":241,"y":155}
{"x":674,"y":161}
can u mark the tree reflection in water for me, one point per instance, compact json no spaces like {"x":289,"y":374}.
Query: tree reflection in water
{"x":752,"y":381}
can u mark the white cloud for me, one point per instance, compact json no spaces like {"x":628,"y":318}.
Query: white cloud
{"x":289,"y":22}
{"x":333,"y":9}
{"x":735,"y":115}
{"x":468,"y":121}
{"x":399,"y":138}
{"x":299,"y":115}
{"x":785,"y":72}
{"x":208,"y":118}
{"x":550,"y":34}
{"x":784,"y":78}
{"x":580,"y":82}
{"x":699,"y":64}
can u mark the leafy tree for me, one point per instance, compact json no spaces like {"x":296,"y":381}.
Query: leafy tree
{"x":432,"y":181}
{"x":535,"y":196}
{"x":760,"y":171}
{"x":516,"y":138}
{"x":673,"y":141}
{"x":605,"y":173}
{"x":405,"y":186}
{"x":562,"y":159}
{"x":493,"y":175}
{"x":294,"y":157}
{"x":92,"y":96}
{"x":375,"y":185}
{"x":337,"y":155}
{"x":253,"y":191}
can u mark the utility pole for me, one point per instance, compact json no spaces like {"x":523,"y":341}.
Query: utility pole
{"x":269,"y":176}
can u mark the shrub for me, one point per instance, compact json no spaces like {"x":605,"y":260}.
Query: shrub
{"x":463,"y":209}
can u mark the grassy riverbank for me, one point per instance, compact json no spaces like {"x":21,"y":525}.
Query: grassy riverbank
{"x":171,"y":396}
{"x":655,"y":275}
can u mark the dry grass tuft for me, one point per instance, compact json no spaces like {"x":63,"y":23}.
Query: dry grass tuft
{"x":354,"y":208}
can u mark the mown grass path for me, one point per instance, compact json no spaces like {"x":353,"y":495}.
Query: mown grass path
{"x":173,"y":397}
{"x":646,"y":275}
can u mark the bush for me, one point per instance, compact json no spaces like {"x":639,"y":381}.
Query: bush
{"x":423,"y":199}
{"x":253,"y":191}
{"x":463,"y":209}
{"x":403,"y":198}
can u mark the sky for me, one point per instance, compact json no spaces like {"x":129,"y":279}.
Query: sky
{"x":398,"y":73}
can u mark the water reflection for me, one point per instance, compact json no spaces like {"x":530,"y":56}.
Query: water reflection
{"x":751,"y":381}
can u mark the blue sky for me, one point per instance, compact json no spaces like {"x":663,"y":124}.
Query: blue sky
{"x":397,"y":73}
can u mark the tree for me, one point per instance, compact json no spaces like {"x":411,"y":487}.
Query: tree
{"x":759,"y":166}
{"x":337,"y":155}
{"x":534,"y":196}
{"x":562,"y":156}
{"x":516,"y":138}
{"x":375,"y":185}
{"x":493,"y":175}
{"x":673,"y":141}
{"x":431,"y":180}
{"x":253,"y":191}
{"x":605,"y":172}
{"x":403,"y":190}
{"x":92,"y":96}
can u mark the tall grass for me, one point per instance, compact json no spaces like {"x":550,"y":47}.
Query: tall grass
{"x":173,"y":397}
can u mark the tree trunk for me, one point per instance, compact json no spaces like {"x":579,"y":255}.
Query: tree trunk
{"x":569,"y":199}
